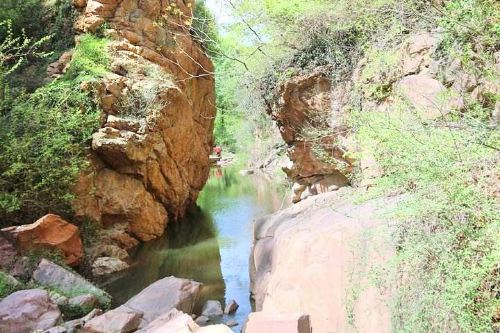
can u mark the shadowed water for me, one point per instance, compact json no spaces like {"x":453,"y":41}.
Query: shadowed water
{"x":212,"y":245}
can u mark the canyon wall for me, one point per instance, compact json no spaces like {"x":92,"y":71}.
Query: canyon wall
{"x":149,"y":160}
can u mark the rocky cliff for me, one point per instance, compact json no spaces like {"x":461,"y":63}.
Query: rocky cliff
{"x":149,"y":159}
{"x":312,"y":110}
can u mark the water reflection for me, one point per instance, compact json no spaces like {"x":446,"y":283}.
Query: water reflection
{"x":211,"y":246}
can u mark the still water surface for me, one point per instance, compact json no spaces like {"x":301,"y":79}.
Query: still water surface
{"x":212,"y":245}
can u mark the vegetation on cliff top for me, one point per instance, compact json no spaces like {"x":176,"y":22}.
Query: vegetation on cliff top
{"x":447,"y":234}
{"x":44,"y":134}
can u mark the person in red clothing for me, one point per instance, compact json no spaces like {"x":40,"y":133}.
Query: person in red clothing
{"x":218,"y":150}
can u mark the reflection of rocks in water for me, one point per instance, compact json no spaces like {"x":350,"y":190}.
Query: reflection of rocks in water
{"x":188,"y":250}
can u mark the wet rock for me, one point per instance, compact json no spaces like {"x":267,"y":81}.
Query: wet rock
{"x":164,"y":295}
{"x":212,"y":309}
{"x":28,"y":310}
{"x":49,"y":232}
{"x":107,"y":265}
{"x":231,"y":307}
{"x":259,"y":322}
{"x":202,"y":320}
{"x":119,"y":320}
{"x":52,"y":275}
{"x":83,"y":301}
{"x":75,"y":326}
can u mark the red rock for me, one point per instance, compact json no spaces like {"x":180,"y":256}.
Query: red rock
{"x":49,"y":232}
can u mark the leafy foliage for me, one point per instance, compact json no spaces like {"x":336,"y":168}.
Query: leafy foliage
{"x":44,"y":136}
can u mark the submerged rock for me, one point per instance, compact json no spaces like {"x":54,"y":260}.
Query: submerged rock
{"x":49,"y":232}
{"x":212,"y":309}
{"x":28,"y":310}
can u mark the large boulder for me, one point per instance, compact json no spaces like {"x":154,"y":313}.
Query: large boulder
{"x":26,"y":311}
{"x":49,"y":232}
{"x":158,"y":99}
{"x":335,"y":243}
{"x":164,"y":295}
{"x":119,"y":320}
{"x":55,"y":276}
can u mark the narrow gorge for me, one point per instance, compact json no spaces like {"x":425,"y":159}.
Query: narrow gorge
{"x":253,"y":166}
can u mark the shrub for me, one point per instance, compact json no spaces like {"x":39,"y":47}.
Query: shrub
{"x":448,"y":249}
{"x":44,"y":136}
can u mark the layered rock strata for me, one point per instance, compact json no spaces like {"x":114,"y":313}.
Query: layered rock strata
{"x":150,"y":158}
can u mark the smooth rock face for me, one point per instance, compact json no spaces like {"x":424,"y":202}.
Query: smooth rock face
{"x":259,"y":322}
{"x":107,"y":265}
{"x":28,"y":310}
{"x":212,"y":309}
{"x":49,"y":232}
{"x":149,"y":162}
{"x":329,"y":239}
{"x":50,"y":274}
{"x":119,"y":320}
{"x":164,"y":295}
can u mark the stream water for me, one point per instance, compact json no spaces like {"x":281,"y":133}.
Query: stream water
{"x":212,"y":245}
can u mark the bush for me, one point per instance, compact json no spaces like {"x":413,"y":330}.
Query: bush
{"x":448,"y":247}
{"x":44,"y":137}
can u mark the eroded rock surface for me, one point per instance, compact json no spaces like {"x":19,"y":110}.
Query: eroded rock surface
{"x":314,"y":131}
{"x":150,"y":158}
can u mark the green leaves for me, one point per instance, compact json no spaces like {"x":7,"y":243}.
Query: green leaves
{"x":44,"y":137}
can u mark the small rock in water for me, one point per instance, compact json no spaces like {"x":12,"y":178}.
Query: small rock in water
{"x":232,"y":323}
{"x":201,"y":320}
{"x":212,"y":309}
{"x":231,"y":307}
